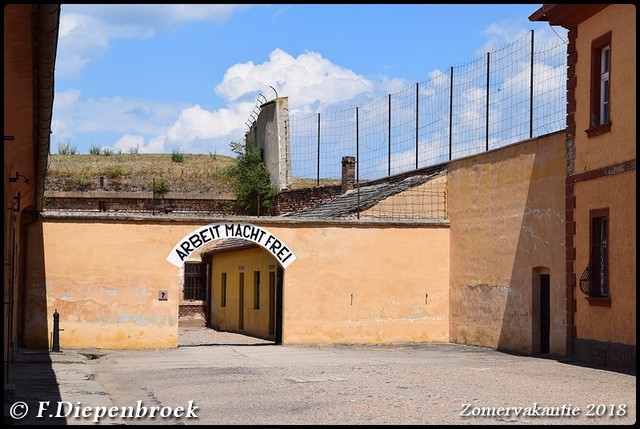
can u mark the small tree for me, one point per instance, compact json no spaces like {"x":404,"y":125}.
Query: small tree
{"x":160,"y":187}
{"x":177,"y":155}
{"x":251,"y":181}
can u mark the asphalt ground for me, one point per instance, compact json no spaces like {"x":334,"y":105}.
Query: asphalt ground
{"x":229,"y":379}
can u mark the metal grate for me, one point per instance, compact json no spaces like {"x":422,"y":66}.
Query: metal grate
{"x":586,"y":284}
{"x":195,"y":281}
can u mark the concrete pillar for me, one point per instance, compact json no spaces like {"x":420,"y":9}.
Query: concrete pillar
{"x":348,"y":172}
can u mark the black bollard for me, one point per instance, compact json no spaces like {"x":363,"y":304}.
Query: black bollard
{"x":56,"y":331}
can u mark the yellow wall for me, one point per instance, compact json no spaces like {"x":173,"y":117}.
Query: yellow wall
{"x":619,"y":145}
{"x":227,"y":318}
{"x":349,"y":284}
{"x":352,"y":281}
{"x":506,"y":209}
{"x":36,"y":319}
{"x":103,"y":276}
{"x":104,"y":279}
{"x":426,"y":201}
{"x":366,"y":284}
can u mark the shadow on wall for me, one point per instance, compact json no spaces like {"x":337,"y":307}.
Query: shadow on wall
{"x":33,"y":314}
{"x":507,"y":230}
{"x":30,"y":378}
{"x":534,"y":311}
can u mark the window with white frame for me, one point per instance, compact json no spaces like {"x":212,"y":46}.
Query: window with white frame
{"x":600,"y":103}
{"x":604,"y":84}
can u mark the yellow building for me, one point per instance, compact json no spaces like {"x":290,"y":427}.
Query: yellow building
{"x":30,"y":44}
{"x":601,"y":179}
{"x":246,"y":283}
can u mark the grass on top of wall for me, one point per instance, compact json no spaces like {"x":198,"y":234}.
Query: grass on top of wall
{"x":127,"y":172}
{"x":192,"y":173}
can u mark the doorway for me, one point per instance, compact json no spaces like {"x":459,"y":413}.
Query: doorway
{"x":545,"y":316}
{"x":241,"y":301}
{"x":541,"y":310}
{"x":279,"y":305}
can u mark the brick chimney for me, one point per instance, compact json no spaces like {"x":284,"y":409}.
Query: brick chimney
{"x":348,"y":172}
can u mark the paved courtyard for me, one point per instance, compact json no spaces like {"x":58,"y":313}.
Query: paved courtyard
{"x":224,"y":378}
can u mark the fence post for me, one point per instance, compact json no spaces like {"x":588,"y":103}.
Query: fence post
{"x":318,"y":179}
{"x":389,"y":162}
{"x":358,"y":159}
{"x":531,"y":93}
{"x":451,"y":113}
{"x":417,"y":93}
{"x":487,"y":120}
{"x":153,"y":198}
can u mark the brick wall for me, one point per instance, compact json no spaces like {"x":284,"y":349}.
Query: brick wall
{"x":139,"y":204}
{"x":192,"y":315}
{"x":192,"y":311}
{"x":298,"y":199}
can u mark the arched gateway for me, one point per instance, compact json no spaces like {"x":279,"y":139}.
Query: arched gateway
{"x":217,"y":231}
{"x":242,"y":290}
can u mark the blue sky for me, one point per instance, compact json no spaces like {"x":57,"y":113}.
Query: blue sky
{"x":159,"y":78}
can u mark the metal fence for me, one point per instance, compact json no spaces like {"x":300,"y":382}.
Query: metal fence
{"x":512,"y":94}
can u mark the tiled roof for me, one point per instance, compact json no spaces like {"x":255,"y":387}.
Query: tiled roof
{"x":227,"y":244}
{"x":346,"y":204}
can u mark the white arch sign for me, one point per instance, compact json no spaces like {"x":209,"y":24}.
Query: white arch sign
{"x":217,"y":231}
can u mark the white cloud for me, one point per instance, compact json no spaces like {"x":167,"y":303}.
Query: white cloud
{"x":500,"y":35}
{"x":504,"y":34}
{"x":86,"y":31}
{"x":74,"y":116}
{"x":130,"y":143}
{"x":198,"y":123}
{"x":156,"y":16}
{"x":309,"y":80}
{"x":114,"y":114}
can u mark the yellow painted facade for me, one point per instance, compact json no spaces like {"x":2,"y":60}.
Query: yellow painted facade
{"x":472,"y":280}
{"x":105,"y":280}
{"x":614,"y":190}
{"x":366,"y":284}
{"x":619,"y":145}
{"x":350,"y":283}
{"x":600,"y":189}
{"x":615,"y":323}
{"x":243,"y":292}
{"x":506,"y":209}
{"x":430,"y":197}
